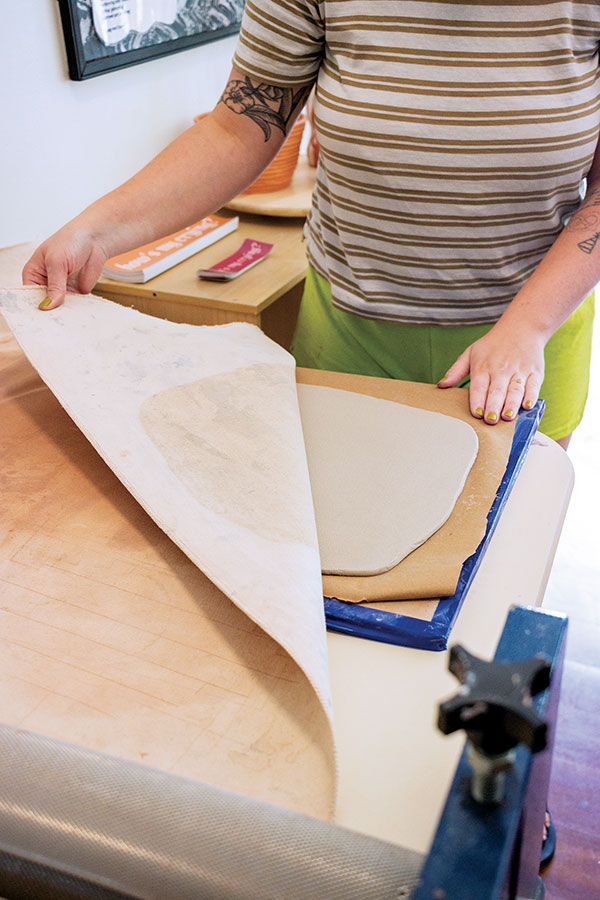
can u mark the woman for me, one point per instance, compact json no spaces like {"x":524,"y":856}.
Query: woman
{"x":453,"y":150}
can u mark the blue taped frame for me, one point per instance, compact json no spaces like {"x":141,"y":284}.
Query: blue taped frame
{"x":361,"y":620}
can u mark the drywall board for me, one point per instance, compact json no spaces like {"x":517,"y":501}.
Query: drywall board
{"x":433,"y":569}
{"x":121,"y":376}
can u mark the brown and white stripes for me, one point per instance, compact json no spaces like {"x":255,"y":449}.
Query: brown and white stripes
{"x":455,"y":137}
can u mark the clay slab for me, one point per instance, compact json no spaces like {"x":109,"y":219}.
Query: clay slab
{"x":384,"y":476}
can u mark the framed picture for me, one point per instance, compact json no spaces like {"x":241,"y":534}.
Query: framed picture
{"x":103,"y":35}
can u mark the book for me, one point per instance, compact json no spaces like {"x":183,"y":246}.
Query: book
{"x":144,"y":263}
{"x":248,"y":254}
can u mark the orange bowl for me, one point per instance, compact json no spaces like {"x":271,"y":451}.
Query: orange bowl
{"x":279,"y":173}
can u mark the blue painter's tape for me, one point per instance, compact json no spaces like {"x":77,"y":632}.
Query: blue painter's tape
{"x":364,"y":621}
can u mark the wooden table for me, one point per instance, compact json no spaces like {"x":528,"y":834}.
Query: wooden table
{"x":268,"y":295}
{"x":394,"y":767}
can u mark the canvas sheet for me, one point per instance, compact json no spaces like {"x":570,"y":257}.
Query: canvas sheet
{"x":114,"y":639}
{"x":131,"y":384}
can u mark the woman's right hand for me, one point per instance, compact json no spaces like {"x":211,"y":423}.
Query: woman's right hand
{"x":70,"y":260}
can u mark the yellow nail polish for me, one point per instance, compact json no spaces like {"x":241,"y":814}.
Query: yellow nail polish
{"x":445,"y":378}
{"x":491,"y":417}
{"x":510,"y":413}
{"x":45,"y":303}
{"x":479,"y":411}
{"x":528,"y":404}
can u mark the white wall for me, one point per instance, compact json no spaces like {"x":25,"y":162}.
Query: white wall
{"x":63,"y":143}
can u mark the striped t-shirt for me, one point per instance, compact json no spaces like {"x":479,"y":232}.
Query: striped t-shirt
{"x":454,"y":140}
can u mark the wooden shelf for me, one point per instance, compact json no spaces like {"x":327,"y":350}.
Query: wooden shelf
{"x":268,"y":295}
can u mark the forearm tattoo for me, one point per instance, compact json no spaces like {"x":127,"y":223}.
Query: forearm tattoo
{"x":267,"y":105}
{"x":587,"y":219}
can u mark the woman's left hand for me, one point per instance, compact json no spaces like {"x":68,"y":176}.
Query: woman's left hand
{"x":506,"y":373}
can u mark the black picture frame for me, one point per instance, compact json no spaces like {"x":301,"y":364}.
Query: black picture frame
{"x":197,"y":22}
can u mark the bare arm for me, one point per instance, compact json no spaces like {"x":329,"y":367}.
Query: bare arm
{"x":195,"y":175}
{"x":506,"y":366}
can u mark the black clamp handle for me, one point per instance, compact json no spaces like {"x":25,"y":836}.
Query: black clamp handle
{"x":494,"y":707}
{"x":494,"y":703}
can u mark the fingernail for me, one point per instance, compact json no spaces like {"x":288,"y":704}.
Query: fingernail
{"x":491,"y":417}
{"x":528,"y":404}
{"x":45,"y":303}
{"x":509,"y":412}
{"x":479,"y":411}
{"x":445,"y":378}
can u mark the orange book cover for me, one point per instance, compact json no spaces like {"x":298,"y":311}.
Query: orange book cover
{"x":146,"y":262}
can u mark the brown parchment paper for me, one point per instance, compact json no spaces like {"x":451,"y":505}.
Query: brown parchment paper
{"x":432,"y":570}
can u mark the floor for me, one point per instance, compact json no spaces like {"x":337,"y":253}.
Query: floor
{"x":574,"y":588}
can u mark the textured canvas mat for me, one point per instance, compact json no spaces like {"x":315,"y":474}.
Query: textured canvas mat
{"x":111,"y":637}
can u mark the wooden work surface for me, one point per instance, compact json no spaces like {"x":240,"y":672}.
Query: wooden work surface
{"x":99,"y":642}
{"x":118,"y":635}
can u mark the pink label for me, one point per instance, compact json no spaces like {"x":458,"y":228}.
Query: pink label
{"x":249,"y":253}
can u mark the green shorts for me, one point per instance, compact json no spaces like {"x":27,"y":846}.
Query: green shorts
{"x":329,"y":338}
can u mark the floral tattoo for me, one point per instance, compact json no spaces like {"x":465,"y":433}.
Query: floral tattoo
{"x":267,"y":105}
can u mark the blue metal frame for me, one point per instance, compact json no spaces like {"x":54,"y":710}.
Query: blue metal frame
{"x":364,"y":621}
{"x":493,"y":852}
